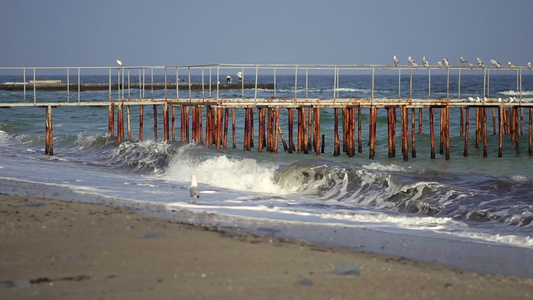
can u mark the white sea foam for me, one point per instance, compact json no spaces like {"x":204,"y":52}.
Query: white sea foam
{"x":224,"y":172}
{"x":516,"y":93}
{"x":390,"y":168}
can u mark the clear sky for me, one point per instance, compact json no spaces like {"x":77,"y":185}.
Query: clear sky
{"x":157,"y":32}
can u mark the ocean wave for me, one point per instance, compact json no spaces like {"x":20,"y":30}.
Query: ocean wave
{"x":222,"y":171}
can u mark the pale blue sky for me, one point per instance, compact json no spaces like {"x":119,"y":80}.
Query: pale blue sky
{"x":96,"y":32}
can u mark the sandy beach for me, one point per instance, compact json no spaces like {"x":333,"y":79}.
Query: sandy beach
{"x":54,"y":249}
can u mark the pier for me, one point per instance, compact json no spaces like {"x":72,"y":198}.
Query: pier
{"x":194,"y":93}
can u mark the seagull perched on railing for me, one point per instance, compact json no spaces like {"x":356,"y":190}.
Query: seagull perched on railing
{"x":395,"y":60}
{"x":410,"y":61}
{"x":480,"y":62}
{"x":510,"y":64}
{"x":119,"y":62}
{"x":439,"y":63}
{"x":463,"y":60}
{"x":529,"y":65}
{"x":495,"y":63}
{"x":425,"y":62}
{"x":445,"y":62}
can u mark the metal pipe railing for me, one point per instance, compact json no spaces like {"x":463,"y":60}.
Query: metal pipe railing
{"x":124,"y":81}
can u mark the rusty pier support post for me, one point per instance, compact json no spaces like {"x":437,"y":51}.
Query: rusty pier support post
{"x":467,"y":127}
{"x":173,"y":127}
{"x":484,"y":128}
{"x":447,"y":132}
{"x":501,"y":113}
{"x":233,"y":128}
{"x":336,"y":144}
{"x":359,"y":130}
{"x":530,"y":131}
{"x":261,"y":129}
{"x":111,"y":119}
{"x":290,"y":112}
{"x":317,"y":130}
{"x":128,"y":120}
{"x":165,"y":122}
{"x":413,"y":142}
{"x":120,"y":123}
{"x":432,"y":131}
{"x":226,"y":123}
{"x":49,"y":133}
{"x":405,"y":132}
{"x":372,"y":132}
{"x":155,"y":122}
{"x":141,"y":122}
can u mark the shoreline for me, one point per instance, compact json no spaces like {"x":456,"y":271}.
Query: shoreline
{"x":60,"y":249}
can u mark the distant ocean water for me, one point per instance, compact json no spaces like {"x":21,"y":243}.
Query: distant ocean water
{"x":486,"y":200}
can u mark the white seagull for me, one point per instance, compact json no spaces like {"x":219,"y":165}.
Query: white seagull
{"x":425,"y":62}
{"x":529,"y":65}
{"x":194,"y":192}
{"x":119,"y":62}
{"x":510,"y":64}
{"x":480,"y":62}
{"x":495,"y":63}
{"x":463,"y":60}
{"x":445,"y":62}
{"x":395,"y":60}
{"x":410,"y":61}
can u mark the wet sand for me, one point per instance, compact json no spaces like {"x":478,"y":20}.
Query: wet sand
{"x":53,"y":249}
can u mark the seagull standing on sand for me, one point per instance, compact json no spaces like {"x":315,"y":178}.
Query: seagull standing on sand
{"x":480,"y":62}
{"x":194,"y":192}
{"x":395,"y":60}
{"x":495,"y":63}
{"x":463,"y":60}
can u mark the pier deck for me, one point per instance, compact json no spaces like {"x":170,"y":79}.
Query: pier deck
{"x":205,"y":117}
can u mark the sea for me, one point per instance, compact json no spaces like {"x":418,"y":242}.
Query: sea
{"x":471,"y":212}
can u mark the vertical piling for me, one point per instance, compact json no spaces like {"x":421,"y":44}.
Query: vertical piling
{"x":317,"y":130}
{"x":359,"y":130}
{"x":165,"y":122}
{"x":291,"y":127}
{"x":49,"y":133}
{"x":484,"y":126}
{"x":120,"y":123}
{"x":501,"y":113}
{"x":226,"y":123}
{"x":141,"y":122}
{"x":128,"y":120}
{"x":432,"y":131}
{"x":530,"y":131}
{"x":467,"y":127}
{"x":336,"y":145}
{"x":155,"y":122}
{"x":233,"y":128}
{"x":413,"y":143}
{"x":111,"y":119}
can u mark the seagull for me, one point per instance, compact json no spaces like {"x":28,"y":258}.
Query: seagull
{"x":445,"y":62}
{"x":439,"y":63}
{"x":471,"y":66}
{"x":500,"y":100}
{"x":395,"y":60}
{"x":495,"y":63}
{"x":194,"y":192}
{"x":480,"y":62}
{"x":510,"y":64}
{"x":410,"y":61}
{"x":119,"y":62}
{"x":470,"y":99}
{"x":463,"y":60}
{"x":425,"y":62}
{"x":529,"y":65}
